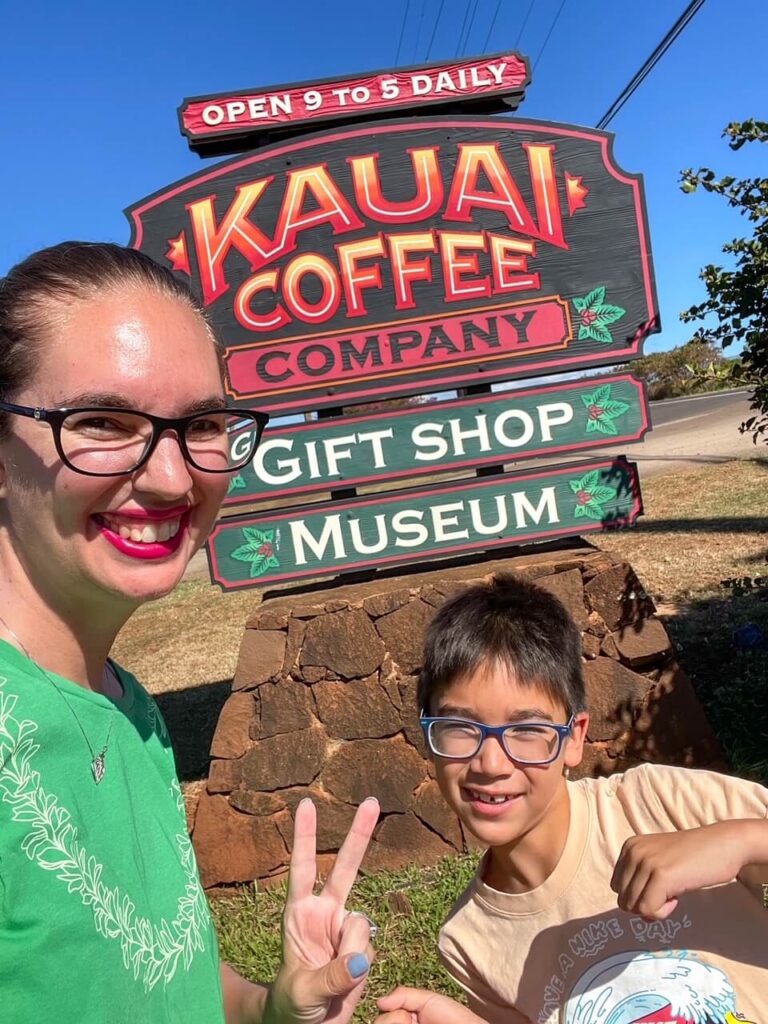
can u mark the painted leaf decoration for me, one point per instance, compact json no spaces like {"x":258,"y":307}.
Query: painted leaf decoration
{"x":608,"y":314}
{"x":615,"y":408}
{"x":590,"y":480}
{"x":604,"y":425}
{"x":597,"y":332}
{"x":256,"y":539}
{"x":595,"y":298}
{"x":580,"y":305}
{"x":580,"y":511}
{"x":256,"y":536}
{"x":575,"y":486}
{"x":603,"y":494}
{"x":245,"y":553}
{"x":584,"y":332}
{"x":594,"y":511}
{"x":601,"y":396}
{"x":236,"y":483}
{"x":262,"y":564}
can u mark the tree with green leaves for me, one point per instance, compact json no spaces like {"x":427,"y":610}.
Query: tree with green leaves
{"x":736,"y":308}
{"x":685,"y":370}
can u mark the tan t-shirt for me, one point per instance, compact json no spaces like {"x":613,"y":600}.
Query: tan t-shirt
{"x":565,"y":954}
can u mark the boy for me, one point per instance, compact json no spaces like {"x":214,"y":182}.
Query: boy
{"x":619,"y":900}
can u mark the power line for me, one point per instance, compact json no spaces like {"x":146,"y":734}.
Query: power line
{"x":418,"y":31}
{"x":551,"y":30}
{"x":685,"y":19}
{"x":402,"y":31}
{"x":434,"y":28}
{"x":525,"y":22}
{"x":493,"y":22}
{"x":463,"y":26}
{"x":465,"y":40}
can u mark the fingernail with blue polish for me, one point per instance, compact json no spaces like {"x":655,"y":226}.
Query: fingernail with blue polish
{"x":358,"y":965}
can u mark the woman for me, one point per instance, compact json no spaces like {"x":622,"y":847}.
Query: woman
{"x":113,"y":463}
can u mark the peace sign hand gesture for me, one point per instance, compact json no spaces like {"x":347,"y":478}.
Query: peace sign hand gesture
{"x":326,"y":950}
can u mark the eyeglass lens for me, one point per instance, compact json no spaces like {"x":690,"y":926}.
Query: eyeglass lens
{"x":526,"y":743}
{"x":98,"y":441}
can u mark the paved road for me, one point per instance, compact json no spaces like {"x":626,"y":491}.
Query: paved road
{"x":695,"y":431}
{"x":675,"y":410}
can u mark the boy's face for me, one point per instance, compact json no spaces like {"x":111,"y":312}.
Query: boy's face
{"x":492,"y":695}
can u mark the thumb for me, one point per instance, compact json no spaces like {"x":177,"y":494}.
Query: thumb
{"x":404,"y":998}
{"x":341,"y":975}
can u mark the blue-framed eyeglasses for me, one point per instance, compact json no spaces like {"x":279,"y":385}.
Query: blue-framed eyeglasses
{"x":524,"y":742}
{"x":106,"y":441}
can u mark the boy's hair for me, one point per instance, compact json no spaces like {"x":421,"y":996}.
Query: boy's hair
{"x":511,"y":622}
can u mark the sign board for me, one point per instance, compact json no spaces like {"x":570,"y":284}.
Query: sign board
{"x":391,"y":529}
{"x":225,"y":122}
{"x":357,"y":256}
{"x":437,"y":437}
{"x":392,"y":259}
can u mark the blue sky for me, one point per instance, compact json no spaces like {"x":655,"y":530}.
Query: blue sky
{"x":89,"y":91}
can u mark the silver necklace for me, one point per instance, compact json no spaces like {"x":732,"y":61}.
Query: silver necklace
{"x":98,"y":761}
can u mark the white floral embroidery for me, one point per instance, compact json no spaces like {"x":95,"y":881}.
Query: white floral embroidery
{"x":152,"y":951}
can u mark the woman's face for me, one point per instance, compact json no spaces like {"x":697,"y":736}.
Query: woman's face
{"x":79,"y":537}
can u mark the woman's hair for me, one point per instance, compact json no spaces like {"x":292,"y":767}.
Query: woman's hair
{"x":70,"y":271}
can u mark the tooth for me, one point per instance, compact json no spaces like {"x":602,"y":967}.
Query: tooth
{"x":124,"y":532}
{"x":149,"y":534}
{"x":135,"y":534}
{"x":163,"y":531}
{"x":175,"y":526}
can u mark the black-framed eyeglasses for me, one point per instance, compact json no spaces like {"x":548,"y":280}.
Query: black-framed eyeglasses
{"x":524,"y":742}
{"x":106,"y":441}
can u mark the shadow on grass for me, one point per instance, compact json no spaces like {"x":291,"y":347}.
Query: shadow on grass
{"x":731,"y":524}
{"x":191,"y":716}
{"x":730,"y":678}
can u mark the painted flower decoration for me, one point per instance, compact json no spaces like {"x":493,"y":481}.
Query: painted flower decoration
{"x":595,"y":315}
{"x":602,"y":410}
{"x":591,"y":496}
{"x":259,"y":550}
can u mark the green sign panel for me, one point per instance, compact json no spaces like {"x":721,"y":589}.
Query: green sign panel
{"x":441,"y":436}
{"x":400,"y":527}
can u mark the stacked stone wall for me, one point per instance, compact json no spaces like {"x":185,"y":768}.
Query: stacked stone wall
{"x":324,"y":705}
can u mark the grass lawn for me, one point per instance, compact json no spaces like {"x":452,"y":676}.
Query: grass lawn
{"x":700,"y":550}
{"x":408,"y":908}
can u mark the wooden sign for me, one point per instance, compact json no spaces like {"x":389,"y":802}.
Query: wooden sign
{"x":436,"y":437}
{"x":400,"y":258}
{"x":392,"y":529}
{"x":227,"y":122}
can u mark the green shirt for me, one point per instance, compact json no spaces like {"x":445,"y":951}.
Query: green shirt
{"x":102,"y":916}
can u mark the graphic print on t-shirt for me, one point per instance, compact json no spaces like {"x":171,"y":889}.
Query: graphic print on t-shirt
{"x":639,"y":987}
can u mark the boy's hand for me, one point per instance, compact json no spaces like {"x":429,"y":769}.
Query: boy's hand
{"x":653,"y":871}
{"x":417,"y":1006}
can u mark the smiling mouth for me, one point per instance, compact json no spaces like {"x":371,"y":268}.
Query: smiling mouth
{"x":489,"y":798}
{"x":148,"y":533}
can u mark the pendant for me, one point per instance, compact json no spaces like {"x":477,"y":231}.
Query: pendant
{"x":98,"y":767}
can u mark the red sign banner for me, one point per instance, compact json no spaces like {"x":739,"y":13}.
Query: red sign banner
{"x":448,"y":345}
{"x":494,"y":82}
